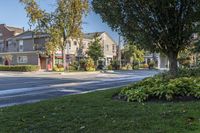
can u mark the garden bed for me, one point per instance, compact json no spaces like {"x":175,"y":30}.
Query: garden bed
{"x":185,"y":86}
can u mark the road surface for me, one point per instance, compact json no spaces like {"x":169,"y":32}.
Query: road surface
{"x":22,"y":88}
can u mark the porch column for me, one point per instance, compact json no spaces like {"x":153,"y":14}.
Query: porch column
{"x":159,"y":61}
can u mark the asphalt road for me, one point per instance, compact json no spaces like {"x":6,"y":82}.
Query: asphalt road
{"x":22,"y":88}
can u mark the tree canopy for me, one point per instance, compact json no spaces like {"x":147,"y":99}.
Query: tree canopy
{"x":95,"y":49}
{"x":163,"y":25}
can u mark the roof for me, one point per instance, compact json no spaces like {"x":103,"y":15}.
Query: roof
{"x":28,"y":35}
{"x":15,"y":29}
{"x":92,"y":35}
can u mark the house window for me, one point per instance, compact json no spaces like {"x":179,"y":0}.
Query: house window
{"x":1,"y":45}
{"x":70,"y":46}
{"x":1,"y":60}
{"x":1,"y":34}
{"x":113,"y":48}
{"x":9,"y":42}
{"x":22,"y":59}
{"x":75,"y":43}
{"x":21,"y":48}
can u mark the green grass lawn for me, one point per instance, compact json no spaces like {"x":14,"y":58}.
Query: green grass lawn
{"x":98,"y":113}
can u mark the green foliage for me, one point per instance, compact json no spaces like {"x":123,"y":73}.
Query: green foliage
{"x":110,"y":67}
{"x":20,"y":68}
{"x":127,"y":67}
{"x":95,"y":49}
{"x":132,"y":54}
{"x":82,"y":63}
{"x":184,"y":57}
{"x":58,"y":68}
{"x":74,"y":66}
{"x":165,"y":87}
{"x":144,"y":66}
{"x":90,"y":65}
{"x":155,"y":88}
{"x":165,"y":25}
{"x":151,"y":64}
{"x":115,"y":65}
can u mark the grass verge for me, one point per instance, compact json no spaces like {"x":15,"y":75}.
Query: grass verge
{"x":98,"y":112}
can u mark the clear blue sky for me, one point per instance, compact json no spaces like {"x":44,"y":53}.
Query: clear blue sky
{"x":12,"y":13}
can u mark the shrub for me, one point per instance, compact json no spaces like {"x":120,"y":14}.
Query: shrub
{"x":110,"y":67}
{"x":73,"y":66}
{"x":127,"y":67}
{"x":20,"y":68}
{"x":151,"y":64}
{"x":164,"y":87}
{"x":144,"y":66}
{"x":90,"y":65}
{"x":82,"y":64}
{"x":58,"y":68}
{"x":115,"y":65}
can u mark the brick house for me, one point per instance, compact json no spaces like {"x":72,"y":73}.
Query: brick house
{"x":5,"y":33}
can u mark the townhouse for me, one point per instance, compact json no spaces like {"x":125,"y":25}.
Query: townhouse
{"x":28,"y":48}
{"x":109,"y":48}
{"x":5,"y":33}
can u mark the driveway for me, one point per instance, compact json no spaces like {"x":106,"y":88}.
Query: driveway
{"x":21,"y":88}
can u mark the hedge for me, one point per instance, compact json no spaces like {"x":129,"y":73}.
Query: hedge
{"x":20,"y":68}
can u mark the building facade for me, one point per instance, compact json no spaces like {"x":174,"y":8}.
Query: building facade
{"x":25,"y":49}
{"x":28,"y":48}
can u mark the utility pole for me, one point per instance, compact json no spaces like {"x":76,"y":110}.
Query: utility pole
{"x":119,"y":52}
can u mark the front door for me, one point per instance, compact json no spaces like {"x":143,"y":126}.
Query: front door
{"x":43,"y":63}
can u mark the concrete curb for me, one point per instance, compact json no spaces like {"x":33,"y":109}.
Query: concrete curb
{"x":75,"y":73}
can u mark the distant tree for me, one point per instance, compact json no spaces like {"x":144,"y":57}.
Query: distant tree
{"x":163,"y":25}
{"x":184,"y":58}
{"x":132,"y":54}
{"x":95,"y":49}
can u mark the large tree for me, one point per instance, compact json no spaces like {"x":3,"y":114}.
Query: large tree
{"x":63,"y":23}
{"x":164,"y":25}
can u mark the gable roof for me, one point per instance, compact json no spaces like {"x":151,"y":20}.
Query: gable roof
{"x":28,"y":35}
{"x":15,"y":29}
{"x":93,"y":34}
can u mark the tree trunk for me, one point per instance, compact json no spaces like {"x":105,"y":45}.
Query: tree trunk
{"x":53,"y":60}
{"x":173,"y":65}
{"x":64,"y":58}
